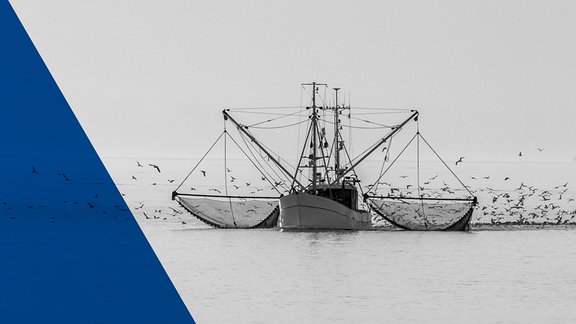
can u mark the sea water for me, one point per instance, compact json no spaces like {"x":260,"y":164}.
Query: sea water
{"x":496,"y":273}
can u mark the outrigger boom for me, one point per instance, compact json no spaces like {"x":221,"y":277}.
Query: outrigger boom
{"x":244,"y":129}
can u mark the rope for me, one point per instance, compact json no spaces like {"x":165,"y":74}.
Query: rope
{"x":226,"y":175}
{"x":391,"y":164}
{"x":258,"y":167}
{"x":274,"y":119}
{"x":239,"y":109}
{"x":197,"y":164}
{"x":388,"y":110}
{"x":371,"y":122}
{"x":323,"y":159}
{"x":275,"y":127}
{"x":446,"y":165}
{"x":301,"y":157}
{"x":381,"y":126}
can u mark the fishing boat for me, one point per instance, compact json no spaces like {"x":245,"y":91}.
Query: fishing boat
{"x":323,"y":187}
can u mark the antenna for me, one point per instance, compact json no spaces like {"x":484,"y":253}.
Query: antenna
{"x":336,"y":135}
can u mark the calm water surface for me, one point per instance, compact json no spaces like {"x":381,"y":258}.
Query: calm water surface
{"x":494,"y":275}
{"x":268,"y":276}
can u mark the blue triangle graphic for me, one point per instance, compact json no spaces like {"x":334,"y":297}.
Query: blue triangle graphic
{"x":71,"y":250}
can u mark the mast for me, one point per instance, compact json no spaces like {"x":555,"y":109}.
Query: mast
{"x":314,"y":128}
{"x":314,"y":136}
{"x":336,"y":136}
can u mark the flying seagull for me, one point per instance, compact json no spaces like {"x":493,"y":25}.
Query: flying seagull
{"x":155,"y":167}
{"x":140,"y":165}
{"x":203,"y":173}
{"x":459,"y":160}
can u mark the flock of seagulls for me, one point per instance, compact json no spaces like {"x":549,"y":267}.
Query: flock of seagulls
{"x":527,"y":205}
{"x":523,"y":205}
{"x":70,"y":203}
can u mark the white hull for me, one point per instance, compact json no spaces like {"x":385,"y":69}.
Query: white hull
{"x":305,"y":211}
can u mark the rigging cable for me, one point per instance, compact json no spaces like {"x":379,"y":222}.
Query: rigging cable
{"x":226,"y":175}
{"x":394,"y":161}
{"x":275,"y":127}
{"x":324,"y":161}
{"x":261,"y":169}
{"x":354,"y":170}
{"x":274,"y":119}
{"x":299,"y":129}
{"x":300,"y":159}
{"x":197,"y":164}
{"x":418,"y":172}
{"x":371,"y":122}
{"x":386,"y":158}
{"x":446,"y":165}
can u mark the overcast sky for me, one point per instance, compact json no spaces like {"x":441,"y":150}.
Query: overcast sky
{"x":149,"y":78}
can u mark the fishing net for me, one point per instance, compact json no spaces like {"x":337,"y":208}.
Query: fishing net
{"x":232,"y":212}
{"x":423,"y":215}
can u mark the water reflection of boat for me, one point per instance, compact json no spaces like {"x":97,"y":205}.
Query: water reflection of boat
{"x":323,"y":190}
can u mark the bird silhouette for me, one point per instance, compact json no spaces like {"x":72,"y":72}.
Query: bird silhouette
{"x":133,"y":177}
{"x":203,"y":173}
{"x":34,"y":170}
{"x":120,"y":208}
{"x":459,"y":160}
{"x":520,"y":154}
{"x":139,"y":165}
{"x":155,"y":167}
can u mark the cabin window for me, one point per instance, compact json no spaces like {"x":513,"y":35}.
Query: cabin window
{"x":347,"y":197}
